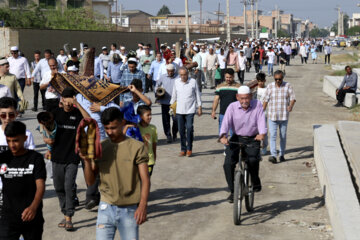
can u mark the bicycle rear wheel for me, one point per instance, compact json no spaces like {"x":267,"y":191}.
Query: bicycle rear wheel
{"x":238,"y":197}
{"x":249,"y":196}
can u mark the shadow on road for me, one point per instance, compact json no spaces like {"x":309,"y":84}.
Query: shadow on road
{"x":266,"y":212}
{"x":172,"y":200}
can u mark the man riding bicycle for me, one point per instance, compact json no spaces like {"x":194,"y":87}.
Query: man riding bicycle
{"x":247,"y":120}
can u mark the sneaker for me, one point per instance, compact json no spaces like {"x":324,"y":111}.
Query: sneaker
{"x":339,"y":104}
{"x":257,"y":188}
{"x":188,"y":153}
{"x":272,"y":159}
{"x":230,"y":198}
{"x":34,"y":109}
{"x":182,"y":154}
{"x":282,"y":159}
{"x":91,"y":204}
{"x":169,"y":139}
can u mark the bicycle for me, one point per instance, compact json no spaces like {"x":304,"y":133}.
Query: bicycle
{"x":243,"y":185}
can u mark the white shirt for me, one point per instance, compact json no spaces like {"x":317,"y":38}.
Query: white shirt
{"x":178,"y":62}
{"x":116,"y":51}
{"x":187,"y":96}
{"x":29,"y":143}
{"x":271,"y":57}
{"x":139,"y":53}
{"x":19,"y":67}
{"x":4,"y":91}
{"x":221,"y":60}
{"x":203,"y":58}
{"x":45,"y":80}
{"x":62,"y":58}
{"x":242,"y":62}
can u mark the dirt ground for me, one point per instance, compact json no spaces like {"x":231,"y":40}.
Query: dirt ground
{"x":188,"y":195}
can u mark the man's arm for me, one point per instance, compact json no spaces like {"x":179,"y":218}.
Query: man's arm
{"x":140,"y":213}
{"x":90,"y":170}
{"x":146,"y":100}
{"x":198,"y":99}
{"x":84,"y":113}
{"x":173,"y":95}
{"x":214,"y":106}
{"x":30,"y":212}
{"x":341,"y":85}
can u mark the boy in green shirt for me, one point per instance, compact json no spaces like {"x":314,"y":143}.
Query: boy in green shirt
{"x":149,"y":134}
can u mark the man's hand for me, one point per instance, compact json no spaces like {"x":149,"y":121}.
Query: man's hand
{"x":47,"y":155}
{"x":346,"y":88}
{"x":140,"y":214}
{"x":121,"y":104}
{"x":337,"y":91}
{"x":260,"y":137}
{"x":83,"y":157}
{"x":28,"y":214}
{"x":95,"y":107}
{"x":224,"y":140}
{"x":149,"y":76}
{"x":48,"y":141}
{"x":51,"y":89}
{"x":199,"y":111}
{"x":213,"y":115}
{"x":132,"y":88}
{"x":289,"y":108}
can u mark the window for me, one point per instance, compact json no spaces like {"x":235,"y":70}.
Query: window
{"x":179,"y":22}
{"x":162,"y":22}
{"x":75,"y":3}
{"x":171,"y":22}
{"x":47,"y":4}
{"x":17,"y":3}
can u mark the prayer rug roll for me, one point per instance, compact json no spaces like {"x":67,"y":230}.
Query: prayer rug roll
{"x":88,"y":140}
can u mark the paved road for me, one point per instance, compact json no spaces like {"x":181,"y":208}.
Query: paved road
{"x":187,"y":199}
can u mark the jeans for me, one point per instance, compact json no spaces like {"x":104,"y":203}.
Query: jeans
{"x":327,"y":57}
{"x":248,"y":64}
{"x":232,"y":158}
{"x":270,"y":69}
{"x":166,"y":121}
{"x":287,"y":60}
{"x":64,"y":177}
{"x":241,"y":75}
{"x":36,"y":88}
{"x":186,"y":130}
{"x":257,"y":65}
{"x":112,"y":217}
{"x":221,"y":117}
{"x":22,"y":83}
{"x":273,"y":126}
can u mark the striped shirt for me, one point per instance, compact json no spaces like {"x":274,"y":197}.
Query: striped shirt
{"x":278,"y":99}
{"x":227,"y":94}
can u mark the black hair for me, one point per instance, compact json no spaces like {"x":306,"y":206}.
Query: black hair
{"x":37,"y":52}
{"x":14,"y":129}
{"x":137,"y":83}
{"x":148,"y":45}
{"x":111,"y":114}
{"x":44,"y":117}
{"x":8,"y":102}
{"x":48,"y":51}
{"x":229,"y":71}
{"x":281,"y":49}
{"x":73,"y":54}
{"x":114,"y":44}
{"x":347,"y":67}
{"x":279,"y":72}
{"x":86,"y":46}
{"x":143,"y":109}
{"x":261,"y":76}
{"x":68,"y":93}
{"x":61,"y":49}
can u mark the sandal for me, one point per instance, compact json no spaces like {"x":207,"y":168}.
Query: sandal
{"x":69,"y":226}
{"x":62,"y":223}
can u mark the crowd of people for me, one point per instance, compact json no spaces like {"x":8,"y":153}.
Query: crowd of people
{"x":118,"y":182}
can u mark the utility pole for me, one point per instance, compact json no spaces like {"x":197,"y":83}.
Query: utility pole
{"x":245,"y":17}
{"x":252,"y":19}
{"x":276,"y":22}
{"x":117,"y":14}
{"x":121,"y":14}
{"x":187,"y":22}
{"x":257,"y":18}
{"x":228,"y":36}
{"x":218,"y":13}
{"x":200,"y":1}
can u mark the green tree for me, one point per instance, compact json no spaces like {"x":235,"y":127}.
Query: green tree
{"x":354,"y":31}
{"x":282,"y":33}
{"x":316,"y":32}
{"x":164,"y":10}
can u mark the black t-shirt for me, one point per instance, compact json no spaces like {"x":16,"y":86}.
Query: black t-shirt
{"x":72,"y":63}
{"x":257,"y":55}
{"x":227,"y":95}
{"x":63,"y":150}
{"x":18,"y":175}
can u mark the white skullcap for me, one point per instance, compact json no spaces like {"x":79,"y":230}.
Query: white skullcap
{"x":104,"y":48}
{"x":72,"y":68}
{"x":74,"y":49}
{"x":122,"y":48}
{"x":170,"y":66}
{"x":132,"y":60}
{"x":14,"y":48}
{"x":3,"y":61}
{"x":244,"y":90}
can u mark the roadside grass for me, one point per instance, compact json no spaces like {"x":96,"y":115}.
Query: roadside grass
{"x":343,"y":72}
{"x":355,"y":110}
{"x":343,"y":58}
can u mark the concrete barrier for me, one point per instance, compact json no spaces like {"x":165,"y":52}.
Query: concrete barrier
{"x":337,"y":67}
{"x":357,"y":71}
{"x":331,"y":83}
{"x":348,"y":131}
{"x":340,"y":198}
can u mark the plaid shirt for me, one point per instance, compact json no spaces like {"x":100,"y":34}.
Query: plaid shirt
{"x":278,"y":99}
{"x":126,"y":79}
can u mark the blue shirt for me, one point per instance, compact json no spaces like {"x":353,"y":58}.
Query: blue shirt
{"x":349,"y":81}
{"x":98,"y":68}
{"x":114,"y":72}
{"x":126,"y":79}
{"x":168,"y":84}
{"x":86,"y":104}
{"x":154,"y":69}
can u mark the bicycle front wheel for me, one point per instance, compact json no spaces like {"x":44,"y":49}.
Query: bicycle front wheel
{"x":238,"y":197}
{"x":249,"y":196}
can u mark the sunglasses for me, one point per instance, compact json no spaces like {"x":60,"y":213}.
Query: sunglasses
{"x":10,"y":115}
{"x":278,"y":79}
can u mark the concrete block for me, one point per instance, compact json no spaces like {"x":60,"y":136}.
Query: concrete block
{"x":337,"y":67}
{"x":340,"y":197}
{"x":357,"y":97}
{"x":330,"y":84}
{"x":350,"y":100}
{"x":357,"y":71}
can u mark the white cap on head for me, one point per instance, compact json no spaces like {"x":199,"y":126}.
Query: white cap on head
{"x":132,"y":60}
{"x":72,"y":68}
{"x":74,"y":49}
{"x":244,"y":90}
{"x":170,"y":66}
{"x":14,"y":48}
{"x":3,"y":61}
{"x":104,"y":48}
{"x":122,"y":48}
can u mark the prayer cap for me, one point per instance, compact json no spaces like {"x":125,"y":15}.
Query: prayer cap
{"x":244,"y":90}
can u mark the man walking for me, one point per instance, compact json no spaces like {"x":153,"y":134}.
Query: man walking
{"x":10,"y":80}
{"x":36,"y":83}
{"x":348,"y":85}
{"x":19,"y":66}
{"x":167,"y":82}
{"x":186,"y":94}
{"x":210,"y":68}
{"x":124,"y":180}
{"x":327,"y":51}
{"x":145,"y":61}
{"x":280,"y":97}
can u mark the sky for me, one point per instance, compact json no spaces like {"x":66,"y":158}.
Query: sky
{"x":321,"y":12}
